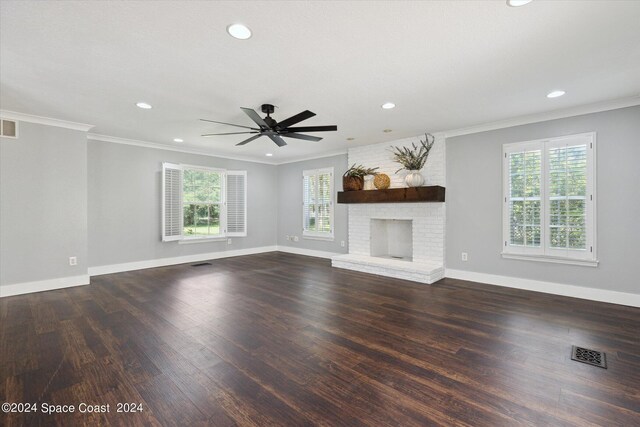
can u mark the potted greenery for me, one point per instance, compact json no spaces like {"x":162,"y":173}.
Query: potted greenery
{"x":413,"y":160}
{"x":353,"y":178}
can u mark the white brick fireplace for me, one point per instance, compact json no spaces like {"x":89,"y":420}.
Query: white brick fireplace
{"x":426,"y":221}
{"x":391,"y":238}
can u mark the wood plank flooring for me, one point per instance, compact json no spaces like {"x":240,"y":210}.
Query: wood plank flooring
{"x":281,"y":339}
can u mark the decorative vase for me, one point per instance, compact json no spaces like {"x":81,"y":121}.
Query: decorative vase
{"x":414,"y":179}
{"x":382,"y":181}
{"x":352,"y":183}
{"x":368,"y":183}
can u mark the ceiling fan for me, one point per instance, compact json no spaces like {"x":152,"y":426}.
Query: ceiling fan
{"x":275,"y":130}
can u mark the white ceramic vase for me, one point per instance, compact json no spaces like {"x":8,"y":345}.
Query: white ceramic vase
{"x":414,"y":179}
{"x":368,"y":182}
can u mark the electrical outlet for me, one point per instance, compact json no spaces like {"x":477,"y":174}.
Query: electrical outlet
{"x":228,"y":241}
{"x":295,"y":238}
{"x":465,"y":257}
{"x":73,"y":260}
{"x":342,"y":243}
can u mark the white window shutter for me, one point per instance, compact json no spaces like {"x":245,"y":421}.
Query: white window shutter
{"x":324,"y":196}
{"x":524,"y":198}
{"x":317,"y":203}
{"x":237,"y":203}
{"x":309,"y":201}
{"x":171,"y":202}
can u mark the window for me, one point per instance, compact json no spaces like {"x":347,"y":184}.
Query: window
{"x":202,"y":203}
{"x":549,"y":199}
{"x":317,"y":203}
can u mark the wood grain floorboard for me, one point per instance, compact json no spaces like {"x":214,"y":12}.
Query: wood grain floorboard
{"x":282,"y":339}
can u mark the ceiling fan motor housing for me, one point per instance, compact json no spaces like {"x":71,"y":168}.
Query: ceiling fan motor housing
{"x":267,"y":108}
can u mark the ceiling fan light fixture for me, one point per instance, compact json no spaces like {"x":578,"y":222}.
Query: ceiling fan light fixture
{"x":239,"y":31}
{"x":143,"y":105}
{"x":555,"y":94}
{"x":517,"y":3}
{"x":388,"y":105}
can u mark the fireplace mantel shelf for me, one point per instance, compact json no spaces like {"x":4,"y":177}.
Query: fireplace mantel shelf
{"x":432,"y":193}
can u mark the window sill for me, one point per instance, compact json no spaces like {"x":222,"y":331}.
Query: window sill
{"x":552,"y":259}
{"x":193,"y":240}
{"x":319,"y":237}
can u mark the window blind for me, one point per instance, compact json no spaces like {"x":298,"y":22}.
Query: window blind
{"x":323,"y":203}
{"x":309,"y":201}
{"x":236,"y":203}
{"x":567,"y":196}
{"x":524,"y":198}
{"x":317,"y":203}
{"x":171,"y":202}
{"x":549,"y":198}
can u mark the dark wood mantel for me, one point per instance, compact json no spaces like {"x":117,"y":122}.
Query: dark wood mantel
{"x":432,"y":193}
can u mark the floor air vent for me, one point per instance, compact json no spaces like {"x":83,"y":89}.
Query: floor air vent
{"x":200,"y":264}
{"x":590,"y":357}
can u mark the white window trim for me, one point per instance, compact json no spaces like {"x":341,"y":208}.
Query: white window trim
{"x":316,"y":235}
{"x":545,"y":253}
{"x":223,"y":235}
{"x":204,"y":239}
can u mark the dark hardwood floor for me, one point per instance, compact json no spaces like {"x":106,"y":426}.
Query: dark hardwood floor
{"x":280,"y":339}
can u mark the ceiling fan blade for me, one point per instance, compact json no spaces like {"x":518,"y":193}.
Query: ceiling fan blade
{"x":313,"y":128}
{"x":246,"y":141}
{"x":255,"y":117}
{"x":276,"y":138}
{"x":228,"y":133}
{"x":300,"y":136}
{"x":230,"y":124}
{"x":296,"y":119}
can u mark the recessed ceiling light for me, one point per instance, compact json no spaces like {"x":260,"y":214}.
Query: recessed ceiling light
{"x":555,"y":94}
{"x":516,"y":3}
{"x":269,"y":154}
{"x":386,"y":130}
{"x":178,"y":140}
{"x":388,"y":105}
{"x":143,"y":105}
{"x":239,"y":31}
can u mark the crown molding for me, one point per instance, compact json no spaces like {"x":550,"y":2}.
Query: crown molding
{"x":516,"y":121}
{"x":148,"y":144}
{"x":613,"y":104}
{"x":158,"y":146}
{"x":22,"y":117}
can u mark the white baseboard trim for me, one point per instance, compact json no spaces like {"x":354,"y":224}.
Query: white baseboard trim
{"x":161,"y":262}
{"x":602,"y":295}
{"x":43,"y":285}
{"x":307,"y":252}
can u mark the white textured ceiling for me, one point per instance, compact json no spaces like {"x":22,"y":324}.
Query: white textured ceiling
{"x":446,"y":65}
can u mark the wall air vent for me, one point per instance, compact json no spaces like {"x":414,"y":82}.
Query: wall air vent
{"x":8,"y":128}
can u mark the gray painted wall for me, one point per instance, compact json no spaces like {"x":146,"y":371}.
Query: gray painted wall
{"x":125,"y":204}
{"x":474,"y":208}
{"x":290,"y":204}
{"x":43,"y":204}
